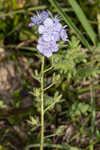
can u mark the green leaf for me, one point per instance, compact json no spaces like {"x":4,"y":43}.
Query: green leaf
{"x":78,"y":109}
{"x":2,"y":105}
{"x":60,"y":130}
{"x":67,"y":61}
{"x":71,"y":24}
{"x":81,"y":16}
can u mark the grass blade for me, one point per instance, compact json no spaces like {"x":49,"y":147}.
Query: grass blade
{"x":23,"y":11}
{"x":57,"y":146}
{"x":98,"y":19}
{"x":93,"y":116}
{"x":71,"y":24}
{"x":84,"y":21}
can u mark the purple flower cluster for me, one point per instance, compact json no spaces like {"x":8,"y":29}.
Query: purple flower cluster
{"x":51,"y":31}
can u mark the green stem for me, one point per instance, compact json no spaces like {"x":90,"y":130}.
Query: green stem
{"x":49,"y":86}
{"x":93,"y":115}
{"x":42,"y":105}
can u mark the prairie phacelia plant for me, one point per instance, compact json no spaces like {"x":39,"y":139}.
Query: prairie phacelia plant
{"x":51,"y":32}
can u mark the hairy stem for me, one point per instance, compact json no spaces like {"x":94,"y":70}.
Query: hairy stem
{"x":42,"y":105}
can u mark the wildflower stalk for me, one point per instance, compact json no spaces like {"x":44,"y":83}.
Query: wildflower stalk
{"x":42,"y":105}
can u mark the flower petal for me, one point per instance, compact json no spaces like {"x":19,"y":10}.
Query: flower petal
{"x":47,"y":37}
{"x":55,"y":48}
{"x":34,"y":19}
{"x":44,"y":15}
{"x":31,"y":24}
{"x":58,"y":27}
{"x":41,"y":40}
{"x":63,"y":35}
{"x":48,"y":22}
{"x":55,"y":36}
{"x":47,"y":52}
{"x":41,"y":29}
{"x":40,"y":48}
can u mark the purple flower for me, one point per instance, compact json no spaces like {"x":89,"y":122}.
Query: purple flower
{"x":47,"y":48}
{"x":63,"y":35}
{"x":56,"y":19}
{"x":50,"y":30}
{"x":39,"y":18}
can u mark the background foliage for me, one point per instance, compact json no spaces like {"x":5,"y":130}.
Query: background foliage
{"x":72,"y":103}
